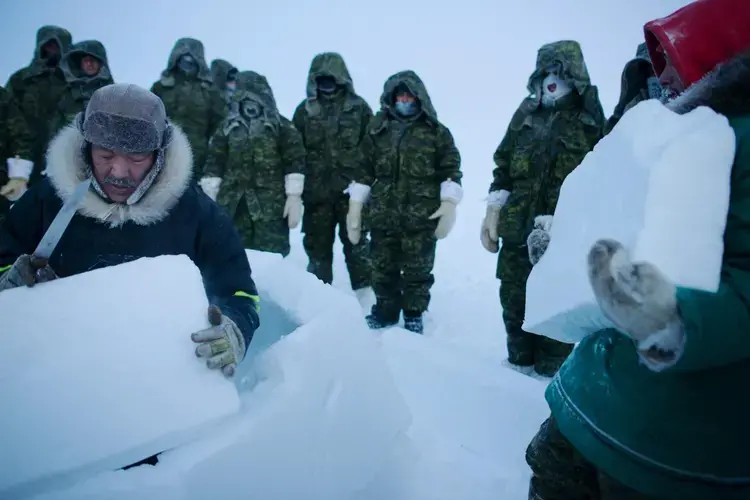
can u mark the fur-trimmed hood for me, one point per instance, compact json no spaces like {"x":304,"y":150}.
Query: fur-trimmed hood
{"x":726,"y":89}
{"x":66,"y":168}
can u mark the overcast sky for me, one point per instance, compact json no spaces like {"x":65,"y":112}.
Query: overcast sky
{"x":474,"y":55}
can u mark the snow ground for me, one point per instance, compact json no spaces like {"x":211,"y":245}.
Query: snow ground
{"x":470,"y":434}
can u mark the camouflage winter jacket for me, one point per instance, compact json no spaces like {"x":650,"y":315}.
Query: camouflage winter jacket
{"x":15,"y":139}
{"x":332,"y":129}
{"x":192,"y":102}
{"x":37,"y":89}
{"x":220,"y":69}
{"x":406,"y":160}
{"x":252,"y":156}
{"x":633,"y":86}
{"x":543,"y":145}
{"x":80,"y":87}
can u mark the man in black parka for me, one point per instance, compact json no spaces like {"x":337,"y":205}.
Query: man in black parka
{"x":141,"y":204}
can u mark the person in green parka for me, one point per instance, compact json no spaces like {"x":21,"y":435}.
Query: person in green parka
{"x":187,"y":90}
{"x":658,"y":408}
{"x":37,"y":89}
{"x":16,"y":143}
{"x":638,"y":83}
{"x":86,"y":69}
{"x":255,"y":167}
{"x":548,"y":136}
{"x":412,"y":185}
{"x":224,"y":75}
{"x":333,"y":120}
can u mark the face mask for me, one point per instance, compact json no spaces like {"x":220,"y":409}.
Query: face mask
{"x":251,"y":109}
{"x":187,"y":65}
{"x":52,"y":60}
{"x":231,"y":85}
{"x":655,"y":90}
{"x":406,"y":108}
{"x":326,"y":84}
{"x":554,"y":88}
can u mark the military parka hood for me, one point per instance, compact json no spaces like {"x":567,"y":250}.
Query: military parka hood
{"x":72,"y":71}
{"x":634,"y":77}
{"x":220,"y":68}
{"x":568,"y":54}
{"x":44,"y":35}
{"x":191,"y":47}
{"x":415,"y":85}
{"x":254,"y":87}
{"x":327,"y":64}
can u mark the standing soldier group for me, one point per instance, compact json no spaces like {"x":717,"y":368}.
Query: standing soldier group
{"x":390,"y":181}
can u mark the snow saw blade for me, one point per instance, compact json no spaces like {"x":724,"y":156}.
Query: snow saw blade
{"x":60,"y":223}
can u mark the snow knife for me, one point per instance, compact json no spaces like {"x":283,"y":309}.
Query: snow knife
{"x":55,"y":231}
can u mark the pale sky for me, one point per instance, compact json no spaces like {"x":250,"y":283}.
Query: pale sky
{"x":474,"y":55}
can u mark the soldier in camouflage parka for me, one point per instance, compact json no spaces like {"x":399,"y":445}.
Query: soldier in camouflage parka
{"x":255,"y":163}
{"x":15,"y":141}
{"x":224,"y":75}
{"x":412,"y":185}
{"x":86,"y":69}
{"x":545,"y":141}
{"x":332,"y":120}
{"x":638,"y":83}
{"x":188,"y":93}
{"x":38,"y":87}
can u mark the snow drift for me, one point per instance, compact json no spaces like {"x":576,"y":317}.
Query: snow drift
{"x":659,"y":184}
{"x":320,"y":414}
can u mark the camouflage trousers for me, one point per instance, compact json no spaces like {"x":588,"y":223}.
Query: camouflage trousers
{"x":319,"y":223}
{"x":524,"y":349}
{"x":265,"y":236}
{"x":560,"y":472}
{"x":402,"y":272}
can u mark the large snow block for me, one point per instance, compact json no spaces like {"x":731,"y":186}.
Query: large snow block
{"x":659,"y":183}
{"x":97,"y":371}
{"x":321,"y":416}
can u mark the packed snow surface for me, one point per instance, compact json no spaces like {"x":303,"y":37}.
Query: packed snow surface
{"x":663,"y":192}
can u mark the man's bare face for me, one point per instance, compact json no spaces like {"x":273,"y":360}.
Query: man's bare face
{"x":120,"y":174}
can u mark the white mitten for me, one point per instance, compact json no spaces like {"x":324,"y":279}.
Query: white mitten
{"x":19,"y":172}
{"x":210,"y":186}
{"x":358,"y":195}
{"x":538,"y":239}
{"x":451,"y":194}
{"x":489,"y":236}
{"x":294,"y":184}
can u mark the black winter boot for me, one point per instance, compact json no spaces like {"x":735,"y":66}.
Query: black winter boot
{"x":413,"y":323}
{"x":376,"y":322}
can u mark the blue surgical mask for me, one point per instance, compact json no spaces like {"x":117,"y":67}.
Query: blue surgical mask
{"x":655,"y":90}
{"x":406,"y":108}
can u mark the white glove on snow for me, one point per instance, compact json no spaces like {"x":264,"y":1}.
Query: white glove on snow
{"x":488,"y":235}
{"x":210,"y":186}
{"x":294,"y":184}
{"x":451,"y":194}
{"x":358,"y":195}
{"x":19,"y":172}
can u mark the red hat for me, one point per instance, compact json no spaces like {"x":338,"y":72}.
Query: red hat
{"x":699,"y":36}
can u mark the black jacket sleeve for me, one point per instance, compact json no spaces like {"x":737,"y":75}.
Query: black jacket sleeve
{"x":222,"y":261}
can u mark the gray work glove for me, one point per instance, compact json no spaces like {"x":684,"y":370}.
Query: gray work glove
{"x":639,"y":300}
{"x":222,"y":344}
{"x":538,"y":240}
{"x":27,"y":270}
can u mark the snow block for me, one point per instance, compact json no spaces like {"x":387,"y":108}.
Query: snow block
{"x":659,"y":183}
{"x":321,"y":418}
{"x":97,"y":371}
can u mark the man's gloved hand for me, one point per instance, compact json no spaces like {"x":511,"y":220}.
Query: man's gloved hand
{"x":210,"y":186}
{"x":19,"y":172}
{"x":488,"y":233}
{"x":538,"y":240}
{"x":293,"y":210}
{"x":446,"y":216}
{"x":358,"y":196}
{"x":27,"y":270}
{"x":222,"y":344}
{"x":639,"y":300}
